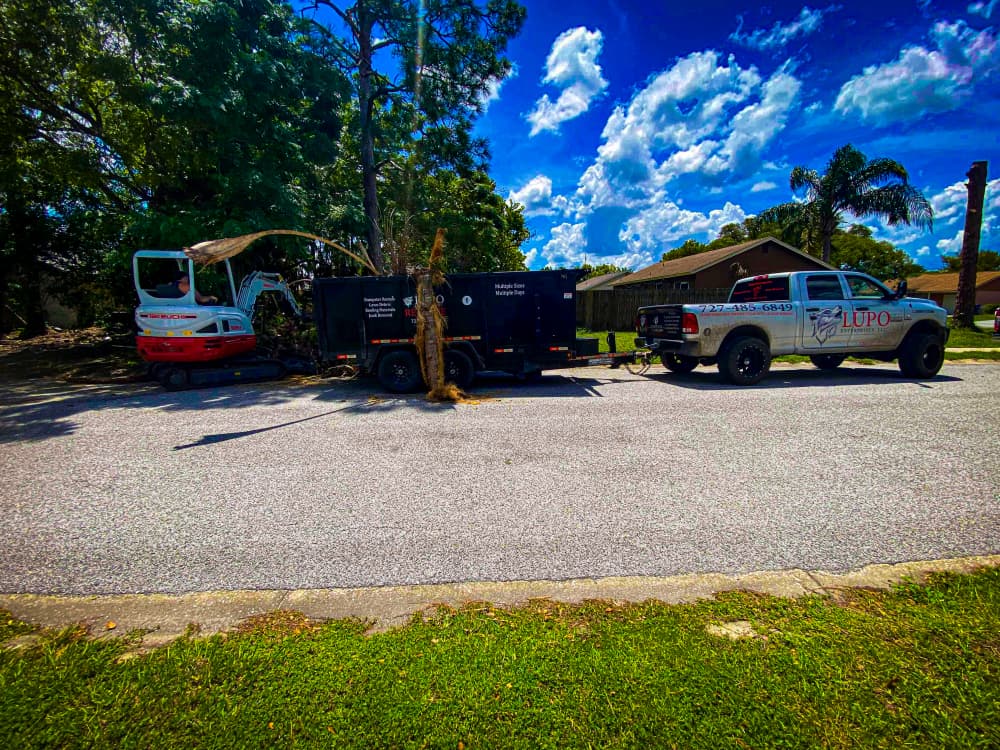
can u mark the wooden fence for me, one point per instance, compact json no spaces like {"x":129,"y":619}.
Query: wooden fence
{"x":615,"y":310}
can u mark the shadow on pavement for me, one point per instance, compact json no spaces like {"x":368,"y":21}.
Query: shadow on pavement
{"x":705,"y":379}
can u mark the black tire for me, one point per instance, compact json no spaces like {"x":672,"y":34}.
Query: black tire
{"x":746,"y":360}
{"x":677,"y":363}
{"x":174,"y":378}
{"x":458,"y":368}
{"x":399,"y":372}
{"x":828,"y":361}
{"x":921,"y":356}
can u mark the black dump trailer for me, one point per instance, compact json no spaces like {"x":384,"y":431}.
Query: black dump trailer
{"x":520,"y":322}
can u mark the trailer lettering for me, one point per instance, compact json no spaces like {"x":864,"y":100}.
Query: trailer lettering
{"x":512,"y":289}
{"x":379,"y":307}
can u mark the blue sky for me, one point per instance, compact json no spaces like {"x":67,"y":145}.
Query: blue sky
{"x":628,"y":127}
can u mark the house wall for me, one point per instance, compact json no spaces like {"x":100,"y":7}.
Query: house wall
{"x":768,"y":258}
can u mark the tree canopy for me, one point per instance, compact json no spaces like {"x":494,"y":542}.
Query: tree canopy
{"x":159,"y":123}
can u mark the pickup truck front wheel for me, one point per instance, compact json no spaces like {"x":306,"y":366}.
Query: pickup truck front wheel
{"x":677,"y":363}
{"x":827,"y":361}
{"x":745,"y":360}
{"x":921,"y":356}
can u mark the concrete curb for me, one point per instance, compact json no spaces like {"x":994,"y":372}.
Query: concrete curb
{"x":166,"y":617}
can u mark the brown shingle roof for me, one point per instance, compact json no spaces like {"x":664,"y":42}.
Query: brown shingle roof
{"x":692,"y":264}
{"x":946,"y":282}
{"x":592,"y":284}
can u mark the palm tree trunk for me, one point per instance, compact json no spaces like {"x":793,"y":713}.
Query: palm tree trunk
{"x":965,"y":301}
{"x":827,"y":246}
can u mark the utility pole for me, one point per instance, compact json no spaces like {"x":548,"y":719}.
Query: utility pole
{"x":965,"y":301}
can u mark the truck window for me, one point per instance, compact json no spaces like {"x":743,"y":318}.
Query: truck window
{"x":763,"y":289}
{"x":862,"y":288}
{"x":824,"y":288}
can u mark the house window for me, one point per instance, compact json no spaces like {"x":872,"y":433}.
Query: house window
{"x":682,"y":285}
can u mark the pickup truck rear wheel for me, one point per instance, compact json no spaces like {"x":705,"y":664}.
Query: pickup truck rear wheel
{"x":399,"y":371}
{"x":827,"y":361}
{"x":745,"y":360}
{"x":678,"y":363}
{"x":921,"y":356}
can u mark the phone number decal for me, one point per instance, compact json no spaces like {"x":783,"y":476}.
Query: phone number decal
{"x":760,"y":307}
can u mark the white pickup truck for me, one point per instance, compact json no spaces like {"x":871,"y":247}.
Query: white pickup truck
{"x":826,"y":315}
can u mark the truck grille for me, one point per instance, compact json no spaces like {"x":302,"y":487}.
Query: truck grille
{"x":663,"y":322}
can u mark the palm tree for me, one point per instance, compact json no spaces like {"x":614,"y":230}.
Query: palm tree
{"x":853,"y":184}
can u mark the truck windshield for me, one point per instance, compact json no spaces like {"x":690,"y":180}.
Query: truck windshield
{"x":761,"y":289}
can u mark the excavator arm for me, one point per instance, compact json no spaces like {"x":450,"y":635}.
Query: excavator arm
{"x":258,"y":282}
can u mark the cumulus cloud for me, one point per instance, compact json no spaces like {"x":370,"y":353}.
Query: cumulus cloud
{"x":535,"y":196}
{"x":780,"y":34}
{"x":567,"y":245}
{"x":704,"y":115}
{"x":665,"y":221}
{"x":922,"y":81}
{"x":530,"y":257}
{"x":571,"y":66}
{"x":761,"y":187}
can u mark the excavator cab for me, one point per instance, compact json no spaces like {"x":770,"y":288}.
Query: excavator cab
{"x":187,"y":343}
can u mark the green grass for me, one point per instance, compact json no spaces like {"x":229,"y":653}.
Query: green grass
{"x":916,"y":667}
{"x":963,"y":337}
{"x":624,"y":340}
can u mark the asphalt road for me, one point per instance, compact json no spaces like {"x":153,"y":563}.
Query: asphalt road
{"x":588,"y":473}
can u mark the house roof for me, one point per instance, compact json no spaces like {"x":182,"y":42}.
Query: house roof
{"x":946,"y":282}
{"x":692,"y":264}
{"x":600,"y":282}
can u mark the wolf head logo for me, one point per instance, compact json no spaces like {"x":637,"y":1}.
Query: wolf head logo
{"x":825,"y":324}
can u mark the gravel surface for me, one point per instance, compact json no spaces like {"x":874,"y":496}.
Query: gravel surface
{"x":587,"y":473}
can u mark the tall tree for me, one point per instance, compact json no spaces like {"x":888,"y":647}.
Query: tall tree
{"x":442,"y":56}
{"x":851,"y":184}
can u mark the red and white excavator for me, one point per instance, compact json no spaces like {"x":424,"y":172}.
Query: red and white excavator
{"x":190,"y":344}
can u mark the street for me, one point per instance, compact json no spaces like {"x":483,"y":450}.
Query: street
{"x":587,"y":473}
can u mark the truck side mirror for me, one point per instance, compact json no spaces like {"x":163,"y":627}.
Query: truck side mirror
{"x":901,"y":289}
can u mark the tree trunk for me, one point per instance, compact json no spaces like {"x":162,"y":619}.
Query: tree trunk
{"x":368,"y":172}
{"x":27,"y":238}
{"x":827,"y":247}
{"x":965,"y":302}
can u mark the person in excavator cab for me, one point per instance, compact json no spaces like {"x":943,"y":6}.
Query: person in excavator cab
{"x":181,"y":286}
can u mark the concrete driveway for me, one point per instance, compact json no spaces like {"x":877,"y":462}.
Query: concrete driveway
{"x":588,"y":473}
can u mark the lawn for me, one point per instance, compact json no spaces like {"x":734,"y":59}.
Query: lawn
{"x":917,"y":667}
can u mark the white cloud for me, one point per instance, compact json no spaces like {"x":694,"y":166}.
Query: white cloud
{"x":951,"y":245}
{"x":530,"y":257}
{"x":653,"y":229}
{"x":761,"y":187}
{"x":702,"y":116}
{"x":922,"y":81}
{"x":922,"y":252}
{"x":535,"y":196}
{"x":567,"y":245}
{"x":982,"y":9}
{"x":780,"y":34}
{"x":571,"y":66}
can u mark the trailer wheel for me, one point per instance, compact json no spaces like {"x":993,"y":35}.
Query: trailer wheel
{"x":921,"y":356}
{"x":399,"y":371}
{"x":745,"y":360}
{"x":458,"y":368}
{"x":827,"y":361}
{"x":678,"y":363}
{"x":174,"y":378}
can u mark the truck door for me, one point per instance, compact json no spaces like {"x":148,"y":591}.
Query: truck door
{"x":825,"y":307}
{"x":877,"y":320}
